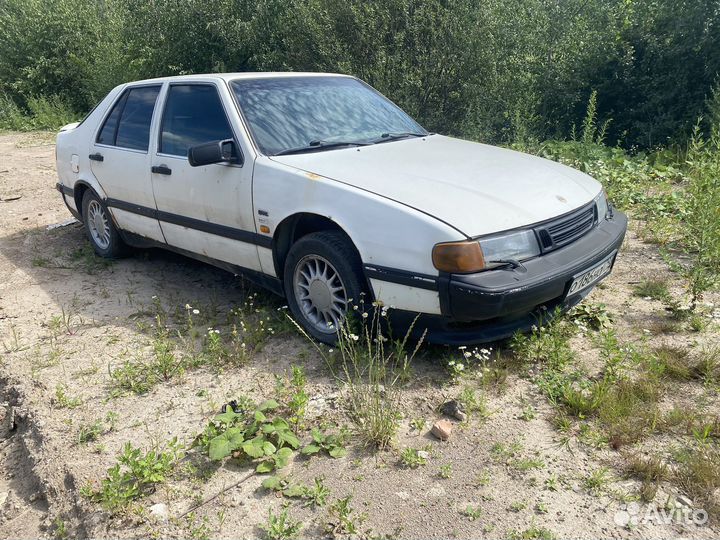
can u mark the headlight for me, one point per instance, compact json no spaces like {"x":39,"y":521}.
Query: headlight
{"x":516,"y":246}
{"x":603,"y":208}
{"x":476,"y":255}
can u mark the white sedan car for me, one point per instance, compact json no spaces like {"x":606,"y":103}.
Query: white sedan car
{"x":320,"y":189}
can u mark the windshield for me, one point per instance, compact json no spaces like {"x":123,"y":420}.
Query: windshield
{"x":287,"y":113}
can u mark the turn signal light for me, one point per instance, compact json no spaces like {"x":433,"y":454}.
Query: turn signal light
{"x":458,"y":257}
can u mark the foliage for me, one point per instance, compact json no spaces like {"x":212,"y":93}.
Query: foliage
{"x":333,"y":443}
{"x":316,"y":494}
{"x":280,"y":526}
{"x":134,"y":476}
{"x":412,"y":458}
{"x":701,"y":232}
{"x":251,"y":435}
{"x":497,"y":70}
{"x":344,"y":519}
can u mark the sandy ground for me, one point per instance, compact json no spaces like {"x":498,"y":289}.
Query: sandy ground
{"x":46,"y":274}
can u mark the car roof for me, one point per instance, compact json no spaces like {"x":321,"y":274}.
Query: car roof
{"x":240,"y":75}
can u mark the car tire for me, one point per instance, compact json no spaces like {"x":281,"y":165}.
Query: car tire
{"x":100,"y":229}
{"x":323,"y":279}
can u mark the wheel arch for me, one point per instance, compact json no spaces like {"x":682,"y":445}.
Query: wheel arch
{"x":79,"y":189}
{"x":294,"y":227}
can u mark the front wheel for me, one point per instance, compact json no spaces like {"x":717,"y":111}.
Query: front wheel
{"x":100,"y":228}
{"x":323,"y":279}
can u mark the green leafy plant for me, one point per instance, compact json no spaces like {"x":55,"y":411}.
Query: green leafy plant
{"x":134,"y":476}
{"x":251,"y":435}
{"x":343,"y":518}
{"x":413,"y":458}
{"x":291,"y":392}
{"x":333,"y":444}
{"x":280,"y":526}
{"x":316,"y":494}
{"x":63,"y":400}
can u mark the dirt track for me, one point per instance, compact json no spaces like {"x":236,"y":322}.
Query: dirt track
{"x":53,"y":274}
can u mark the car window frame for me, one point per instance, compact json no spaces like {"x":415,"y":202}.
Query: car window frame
{"x":123,"y":96}
{"x":235,"y":138}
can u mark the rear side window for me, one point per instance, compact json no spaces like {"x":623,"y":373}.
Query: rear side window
{"x":193,"y":115}
{"x":128,"y":124}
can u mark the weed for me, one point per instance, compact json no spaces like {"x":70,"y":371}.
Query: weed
{"x":333,"y":444}
{"x":60,"y":528}
{"x":483,"y":478}
{"x":372,"y":366}
{"x":707,"y":365}
{"x":474,"y":403}
{"x":134,"y":476}
{"x":472,"y":512}
{"x":588,"y":315}
{"x":413,"y":458}
{"x":291,"y":392}
{"x":532,"y":533}
{"x":546,"y":345}
{"x":133,"y":376}
{"x":90,"y":432}
{"x":699,"y":475}
{"x":250,"y":434}
{"x":280,"y":526}
{"x":597,"y":481}
{"x":672,"y":362}
{"x":445,"y":471}
{"x":541,"y":508}
{"x":528,"y":413}
{"x":653,"y":288}
{"x":701,"y":226}
{"x":518,"y":506}
{"x":343,"y":518}
{"x":418,"y":424}
{"x":199,"y":529}
{"x":63,"y":400}
{"x":551,"y":483}
{"x":14,"y":344}
{"x":316,"y":494}
{"x":630,"y":410}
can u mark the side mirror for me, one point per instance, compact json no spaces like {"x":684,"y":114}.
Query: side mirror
{"x":213,"y":152}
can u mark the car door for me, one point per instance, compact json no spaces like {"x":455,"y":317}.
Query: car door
{"x":120,"y":161}
{"x":207,"y":210}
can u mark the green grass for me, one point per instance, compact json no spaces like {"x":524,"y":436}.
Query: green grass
{"x":654,"y":288}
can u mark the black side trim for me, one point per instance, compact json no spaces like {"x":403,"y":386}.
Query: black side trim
{"x":134,"y":208}
{"x":402,"y":277}
{"x":273,"y":284}
{"x":64,"y":189}
{"x":192,"y":223}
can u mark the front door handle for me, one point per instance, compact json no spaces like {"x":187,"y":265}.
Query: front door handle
{"x":161,"y":169}
{"x":96,"y":157}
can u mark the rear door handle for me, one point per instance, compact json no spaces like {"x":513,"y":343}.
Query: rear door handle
{"x":161,"y":169}
{"x":96,"y":157}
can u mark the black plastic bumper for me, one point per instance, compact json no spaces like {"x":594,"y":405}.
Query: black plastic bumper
{"x":492,"y":305}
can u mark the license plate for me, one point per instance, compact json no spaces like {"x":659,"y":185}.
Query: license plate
{"x":592,"y":276}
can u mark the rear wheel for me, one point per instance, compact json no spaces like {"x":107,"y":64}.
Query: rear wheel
{"x":100,"y":228}
{"x":323,"y":279}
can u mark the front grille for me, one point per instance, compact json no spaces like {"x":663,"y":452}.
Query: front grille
{"x":566,"y":229}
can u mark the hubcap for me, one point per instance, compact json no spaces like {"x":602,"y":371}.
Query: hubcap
{"x":98,"y":225}
{"x":320,"y":293}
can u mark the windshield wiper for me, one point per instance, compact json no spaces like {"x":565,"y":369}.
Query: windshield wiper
{"x":319,"y":145}
{"x":393,"y":136}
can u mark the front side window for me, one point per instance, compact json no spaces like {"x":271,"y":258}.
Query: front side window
{"x":193,"y":115}
{"x":128,"y":124}
{"x":293,"y":112}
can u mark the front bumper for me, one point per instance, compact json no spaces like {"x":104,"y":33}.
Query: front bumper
{"x":492,"y":305}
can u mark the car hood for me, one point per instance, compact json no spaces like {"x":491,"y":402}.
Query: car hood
{"x":475,"y":188}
